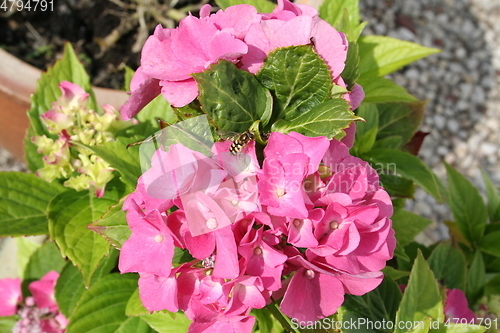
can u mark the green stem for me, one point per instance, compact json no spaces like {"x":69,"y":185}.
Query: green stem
{"x":284,"y":320}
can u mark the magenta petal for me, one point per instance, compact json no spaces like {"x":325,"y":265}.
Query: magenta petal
{"x":158,"y":292}
{"x":235,"y":324}
{"x":226,"y":259}
{"x":10,"y":296}
{"x":43,"y":290}
{"x":145,"y":93}
{"x":179,"y":93}
{"x":311,"y":295}
{"x":456,"y":307}
{"x":356,"y":96}
{"x":149,"y":249}
{"x":362,"y":283}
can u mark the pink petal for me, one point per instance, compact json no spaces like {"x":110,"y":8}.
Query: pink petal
{"x":179,"y":93}
{"x":43,"y":290}
{"x":149,"y":249}
{"x":456,"y":307}
{"x":144,"y":93}
{"x":311,"y":295}
{"x":10,"y":296}
{"x":158,"y":292}
{"x":331,"y":45}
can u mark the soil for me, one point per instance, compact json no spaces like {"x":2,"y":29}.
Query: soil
{"x":106,"y":34}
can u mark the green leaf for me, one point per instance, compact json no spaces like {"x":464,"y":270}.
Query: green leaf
{"x":23,"y":203}
{"x":70,"y":287}
{"x":408,"y":225}
{"x":47,"y":258}
{"x":378,"y":305}
{"x":134,"y":305}
{"x":467,"y":206}
{"x":7,"y":323}
{"x":34,"y":160}
{"x":476,"y":279}
{"x":408,"y":166}
{"x":166,"y":322}
{"x":157,"y":108}
{"x":298,"y":78}
{"x":382,"y":90}
{"x":493,"y":196}
{"x":421,"y":299}
{"x":113,"y":226}
{"x":263,"y":6}
{"x":127,"y":75}
{"x":327,"y":119}
{"x":400,"y":254}
{"x":391,"y":142}
{"x":232,"y":98}
{"x":134,"y":324}
{"x":181,"y":256}
{"x":366,"y":132}
{"x":449,"y":266}
{"x":493,"y":286}
{"x":393,"y":273}
{"x":397,"y":186}
{"x":26,"y":247}
{"x":102,"y":307}
{"x":125,"y":161}
{"x":266,"y":322}
{"x":332,"y":11}
{"x":69,"y":215}
{"x":400,"y":119}
{"x":490,"y":242}
{"x":350,"y":74}
{"x":381,"y":55}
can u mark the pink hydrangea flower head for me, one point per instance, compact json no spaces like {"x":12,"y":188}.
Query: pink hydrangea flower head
{"x":293,"y":25}
{"x":170,"y":56}
{"x":10,"y":296}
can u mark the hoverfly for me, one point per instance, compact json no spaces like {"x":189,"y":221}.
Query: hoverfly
{"x":240,"y":142}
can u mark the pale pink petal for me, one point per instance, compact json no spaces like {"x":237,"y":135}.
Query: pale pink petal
{"x":331,"y":45}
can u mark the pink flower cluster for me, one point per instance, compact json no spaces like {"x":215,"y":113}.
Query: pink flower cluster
{"x":39,"y":312}
{"x":240,"y":35}
{"x":309,"y":226}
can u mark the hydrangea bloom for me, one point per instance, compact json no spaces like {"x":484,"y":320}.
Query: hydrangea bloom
{"x":238,"y":34}
{"x":71,"y":121}
{"x":309,"y":226}
{"x":39,"y":312}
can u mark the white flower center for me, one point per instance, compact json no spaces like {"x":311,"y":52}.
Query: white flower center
{"x":212,"y":223}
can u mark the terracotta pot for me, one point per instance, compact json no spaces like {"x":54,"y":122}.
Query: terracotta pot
{"x":17,"y":83}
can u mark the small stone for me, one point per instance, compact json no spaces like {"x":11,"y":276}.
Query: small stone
{"x":453,"y":126}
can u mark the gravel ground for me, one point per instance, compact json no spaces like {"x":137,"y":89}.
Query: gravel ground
{"x":462,"y":85}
